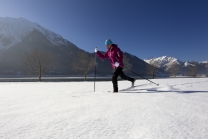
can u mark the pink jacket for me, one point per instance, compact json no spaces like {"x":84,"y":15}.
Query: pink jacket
{"x":115,"y":55}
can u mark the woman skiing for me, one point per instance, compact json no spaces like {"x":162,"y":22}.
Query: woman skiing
{"x":116,"y":58}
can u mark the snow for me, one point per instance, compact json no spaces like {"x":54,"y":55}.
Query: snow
{"x":16,"y":29}
{"x":177,"y":109}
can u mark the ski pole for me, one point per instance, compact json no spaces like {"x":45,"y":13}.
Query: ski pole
{"x":95,"y":72}
{"x":142,"y":76}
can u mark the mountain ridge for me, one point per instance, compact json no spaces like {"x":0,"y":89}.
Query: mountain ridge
{"x":13,"y":30}
{"x":18,"y":38}
{"x":167,"y":63}
{"x":164,"y":60}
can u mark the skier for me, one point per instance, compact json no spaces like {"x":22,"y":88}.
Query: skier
{"x":116,"y":58}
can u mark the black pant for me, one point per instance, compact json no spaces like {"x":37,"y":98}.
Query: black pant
{"x":119,"y":72}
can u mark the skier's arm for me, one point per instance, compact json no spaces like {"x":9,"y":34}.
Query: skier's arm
{"x":102,"y":56}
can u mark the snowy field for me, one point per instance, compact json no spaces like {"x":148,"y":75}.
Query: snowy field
{"x":177,"y":109}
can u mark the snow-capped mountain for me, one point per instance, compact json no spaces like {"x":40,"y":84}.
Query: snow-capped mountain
{"x":163,"y":62}
{"x":169,"y":63}
{"x":19,"y":36}
{"x":13,"y":30}
{"x":204,"y":62}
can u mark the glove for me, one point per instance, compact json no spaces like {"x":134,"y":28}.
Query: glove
{"x":96,"y":49}
{"x":116,"y":64}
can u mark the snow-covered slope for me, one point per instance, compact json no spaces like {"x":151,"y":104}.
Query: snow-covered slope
{"x":13,"y":30}
{"x":177,"y":109}
{"x":163,"y":62}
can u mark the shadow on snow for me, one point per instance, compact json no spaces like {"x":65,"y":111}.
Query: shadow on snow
{"x":157,"y":90}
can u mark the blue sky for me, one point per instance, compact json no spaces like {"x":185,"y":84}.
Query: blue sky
{"x":145,"y":28}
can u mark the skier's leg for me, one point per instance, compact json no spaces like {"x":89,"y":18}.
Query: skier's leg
{"x":114,"y":79}
{"x":123,"y":76}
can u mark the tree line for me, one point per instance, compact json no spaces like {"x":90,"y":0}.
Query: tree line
{"x":39,"y":62}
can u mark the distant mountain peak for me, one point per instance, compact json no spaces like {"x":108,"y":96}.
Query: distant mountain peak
{"x":204,"y":62}
{"x":13,"y":30}
{"x":187,"y":63}
{"x":167,"y":63}
{"x":162,"y":61}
